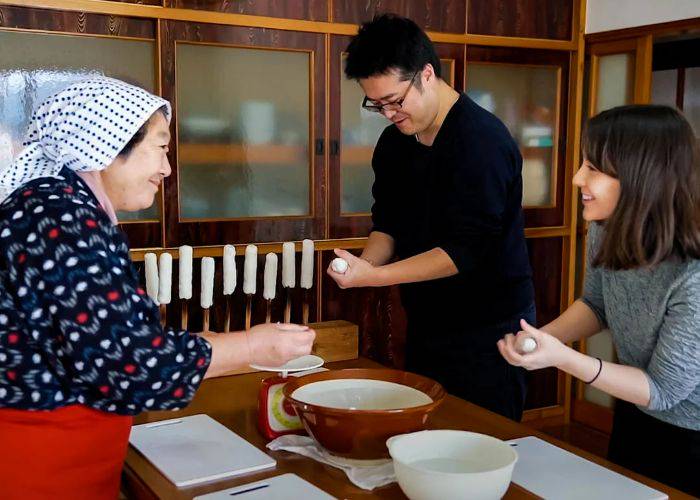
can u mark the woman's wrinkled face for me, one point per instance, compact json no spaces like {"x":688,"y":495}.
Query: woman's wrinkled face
{"x":132,"y":180}
{"x":599,"y":192}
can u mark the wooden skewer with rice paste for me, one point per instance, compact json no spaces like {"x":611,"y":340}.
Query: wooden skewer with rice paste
{"x":270,"y":283}
{"x":207,"y":290}
{"x":185,"y":282}
{"x":230,"y":278}
{"x":288,"y":276}
{"x":307,"y":276}
{"x":250,"y":268}
{"x":165,"y":279}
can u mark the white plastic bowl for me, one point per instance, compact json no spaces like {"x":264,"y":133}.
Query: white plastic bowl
{"x":447,"y":464}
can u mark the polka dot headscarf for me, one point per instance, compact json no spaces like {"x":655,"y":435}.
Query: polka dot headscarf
{"x":83,"y":127}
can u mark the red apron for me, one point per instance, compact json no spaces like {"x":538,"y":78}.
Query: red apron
{"x":69,"y":453}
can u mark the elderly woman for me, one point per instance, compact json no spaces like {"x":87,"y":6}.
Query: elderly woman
{"x":81,"y":346}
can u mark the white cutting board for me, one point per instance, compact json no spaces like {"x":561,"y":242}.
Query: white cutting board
{"x":284,"y":487}
{"x":192,"y":450}
{"x":553,"y":473}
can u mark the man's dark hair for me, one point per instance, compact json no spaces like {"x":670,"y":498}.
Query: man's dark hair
{"x":390,"y":42}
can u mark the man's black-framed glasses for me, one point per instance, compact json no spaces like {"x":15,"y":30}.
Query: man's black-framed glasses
{"x":389,"y":106}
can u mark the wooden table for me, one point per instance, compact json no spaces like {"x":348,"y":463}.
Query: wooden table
{"x":232,"y":401}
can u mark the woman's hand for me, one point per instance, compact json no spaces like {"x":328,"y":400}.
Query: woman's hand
{"x":273,"y":344}
{"x":548,"y":352}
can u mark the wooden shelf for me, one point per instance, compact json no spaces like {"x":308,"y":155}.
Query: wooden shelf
{"x":204,"y":154}
{"x":213,"y":153}
{"x":535,"y":150}
{"x":356,"y":155}
{"x":362,"y":155}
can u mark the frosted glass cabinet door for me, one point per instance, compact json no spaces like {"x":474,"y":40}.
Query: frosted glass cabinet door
{"x":526,"y":99}
{"x":691,"y":98}
{"x":35,"y":65}
{"x":360,"y":131}
{"x":243,"y":132}
{"x":663,"y":87}
{"x":615,"y":86}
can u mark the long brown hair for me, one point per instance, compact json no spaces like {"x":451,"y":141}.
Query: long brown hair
{"x":653,"y":152}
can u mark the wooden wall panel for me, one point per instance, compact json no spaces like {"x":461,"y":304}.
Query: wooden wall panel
{"x":377,"y":312}
{"x":521,"y":18}
{"x":75,"y":22}
{"x":312,"y":10}
{"x":431,"y":15}
{"x":546,"y":261}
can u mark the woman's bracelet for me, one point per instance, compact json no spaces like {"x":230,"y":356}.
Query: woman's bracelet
{"x":600,"y":369}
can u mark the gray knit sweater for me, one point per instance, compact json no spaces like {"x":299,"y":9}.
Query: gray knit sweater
{"x":654,"y":316}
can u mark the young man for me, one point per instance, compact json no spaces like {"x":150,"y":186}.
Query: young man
{"x":447,"y":206}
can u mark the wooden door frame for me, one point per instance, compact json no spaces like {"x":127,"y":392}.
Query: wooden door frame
{"x":641,"y":47}
{"x":582,"y":410}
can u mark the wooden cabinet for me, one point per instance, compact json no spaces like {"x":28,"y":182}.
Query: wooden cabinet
{"x":249,"y":123}
{"x":44,"y":51}
{"x":270,"y":143}
{"x":528,"y":90}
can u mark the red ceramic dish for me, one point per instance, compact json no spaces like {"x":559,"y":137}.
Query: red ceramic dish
{"x":358,"y":433}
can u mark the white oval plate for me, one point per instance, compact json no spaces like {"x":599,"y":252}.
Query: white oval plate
{"x":308,"y":362}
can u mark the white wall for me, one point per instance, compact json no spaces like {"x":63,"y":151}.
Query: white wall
{"x":606,"y":15}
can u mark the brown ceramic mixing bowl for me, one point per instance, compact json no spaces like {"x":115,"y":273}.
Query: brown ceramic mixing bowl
{"x":351,"y":413}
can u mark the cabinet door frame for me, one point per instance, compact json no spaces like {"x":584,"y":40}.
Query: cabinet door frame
{"x":219,"y":231}
{"x":642,"y":48}
{"x":556,"y":133}
{"x":582,"y":410}
{"x":554,"y":214}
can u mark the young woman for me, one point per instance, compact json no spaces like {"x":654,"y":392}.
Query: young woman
{"x":81,"y":346}
{"x":640,"y":185}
